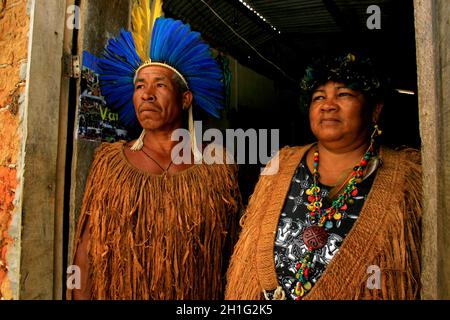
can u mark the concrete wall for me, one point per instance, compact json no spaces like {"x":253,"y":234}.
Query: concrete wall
{"x":14,"y":27}
{"x":42,"y":105}
{"x":433,"y":58}
{"x":100,"y":20}
{"x":443,"y":9}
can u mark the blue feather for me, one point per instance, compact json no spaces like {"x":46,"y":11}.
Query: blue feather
{"x":117,"y":66}
{"x":180,"y":36}
{"x":90,"y":61}
{"x":175,"y":44}
{"x":128,"y":37}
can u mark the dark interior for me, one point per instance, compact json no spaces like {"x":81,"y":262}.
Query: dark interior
{"x":292,"y":34}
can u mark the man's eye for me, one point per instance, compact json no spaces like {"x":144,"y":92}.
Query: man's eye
{"x":345,"y":94}
{"x":160,"y":85}
{"x":139,"y":86}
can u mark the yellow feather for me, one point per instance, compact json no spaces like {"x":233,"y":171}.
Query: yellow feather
{"x":143,"y":16}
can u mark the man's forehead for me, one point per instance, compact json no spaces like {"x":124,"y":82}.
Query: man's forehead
{"x":155,"y":72}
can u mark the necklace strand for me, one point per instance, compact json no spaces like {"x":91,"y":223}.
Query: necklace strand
{"x":157,"y":163}
{"x":315,"y":236}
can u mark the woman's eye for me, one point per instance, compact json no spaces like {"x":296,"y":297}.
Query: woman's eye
{"x":160,"y":85}
{"x":345,"y":94}
{"x":140,"y":86}
{"x":317,"y":98}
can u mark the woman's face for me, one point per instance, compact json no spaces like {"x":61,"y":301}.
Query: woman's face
{"x":339,"y":114}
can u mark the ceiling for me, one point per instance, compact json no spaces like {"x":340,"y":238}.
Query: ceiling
{"x":294,"y":31}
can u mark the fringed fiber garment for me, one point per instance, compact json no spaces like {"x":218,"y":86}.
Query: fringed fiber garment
{"x":155,"y":237}
{"x":386,"y":235}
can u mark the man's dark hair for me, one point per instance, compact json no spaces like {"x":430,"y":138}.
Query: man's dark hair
{"x":181,"y":86}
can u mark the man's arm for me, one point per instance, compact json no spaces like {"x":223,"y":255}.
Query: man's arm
{"x":82,"y":261}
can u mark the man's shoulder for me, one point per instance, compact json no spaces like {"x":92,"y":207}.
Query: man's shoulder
{"x":112,"y":149}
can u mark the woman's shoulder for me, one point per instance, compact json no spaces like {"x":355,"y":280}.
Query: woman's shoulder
{"x":286,"y":160}
{"x":288,"y":152}
{"x":293,"y":154}
{"x":404,"y":153}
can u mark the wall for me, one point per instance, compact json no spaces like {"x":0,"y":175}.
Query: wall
{"x":100,"y":20}
{"x":14,"y":27}
{"x":432,"y":40}
{"x":443,"y":9}
{"x":39,"y":274}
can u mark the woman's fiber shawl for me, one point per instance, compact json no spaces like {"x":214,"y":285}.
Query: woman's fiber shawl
{"x":155,"y":237}
{"x":385,"y":238}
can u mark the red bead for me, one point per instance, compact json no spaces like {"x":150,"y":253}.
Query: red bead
{"x":306,"y":272}
{"x":311,"y":198}
{"x":344,"y":207}
{"x":354,"y":193}
{"x":363,"y":162}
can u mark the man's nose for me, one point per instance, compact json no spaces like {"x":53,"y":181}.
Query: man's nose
{"x":149,"y":95}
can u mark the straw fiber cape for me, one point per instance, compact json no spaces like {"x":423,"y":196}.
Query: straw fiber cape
{"x":155,"y":237}
{"x":387,"y":235}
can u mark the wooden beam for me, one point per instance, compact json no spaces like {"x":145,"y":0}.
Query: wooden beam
{"x":432,"y":42}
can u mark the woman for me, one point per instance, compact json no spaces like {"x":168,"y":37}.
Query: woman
{"x":341,"y":217}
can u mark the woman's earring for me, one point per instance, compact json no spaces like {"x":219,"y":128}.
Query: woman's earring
{"x":376,"y":131}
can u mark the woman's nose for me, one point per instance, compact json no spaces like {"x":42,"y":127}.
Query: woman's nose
{"x":329,"y":104}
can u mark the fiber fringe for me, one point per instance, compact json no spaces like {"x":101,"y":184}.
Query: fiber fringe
{"x":387,"y":235}
{"x":399,"y":256}
{"x":154,"y":237}
{"x":244,"y":257}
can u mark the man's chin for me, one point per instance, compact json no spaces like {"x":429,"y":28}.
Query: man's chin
{"x":150,"y":124}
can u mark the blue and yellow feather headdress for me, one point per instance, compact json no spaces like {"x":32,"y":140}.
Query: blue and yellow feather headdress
{"x":156,"y":40}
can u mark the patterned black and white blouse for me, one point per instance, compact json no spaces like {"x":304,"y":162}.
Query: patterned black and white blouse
{"x":289,"y":246}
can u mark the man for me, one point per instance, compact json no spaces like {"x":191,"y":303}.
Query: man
{"x":150,"y":227}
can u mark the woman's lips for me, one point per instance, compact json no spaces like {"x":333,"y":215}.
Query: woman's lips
{"x":330,"y":121}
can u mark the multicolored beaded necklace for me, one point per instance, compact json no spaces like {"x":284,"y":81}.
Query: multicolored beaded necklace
{"x":315,"y":236}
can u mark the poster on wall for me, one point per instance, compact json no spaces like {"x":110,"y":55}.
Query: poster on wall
{"x":96,"y":122}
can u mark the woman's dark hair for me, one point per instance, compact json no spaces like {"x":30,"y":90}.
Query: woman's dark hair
{"x":356,"y":72}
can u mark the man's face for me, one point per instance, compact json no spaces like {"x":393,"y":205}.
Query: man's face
{"x":156,"y":99}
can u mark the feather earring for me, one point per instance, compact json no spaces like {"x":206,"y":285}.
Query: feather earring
{"x":139,"y":144}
